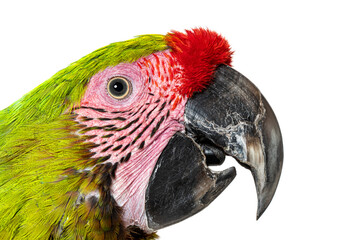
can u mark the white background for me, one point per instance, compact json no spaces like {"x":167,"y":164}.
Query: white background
{"x":299,"y":54}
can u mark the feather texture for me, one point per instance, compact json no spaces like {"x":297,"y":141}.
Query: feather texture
{"x":50,"y":186}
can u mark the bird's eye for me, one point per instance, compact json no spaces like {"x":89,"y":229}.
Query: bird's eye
{"x":119,"y":87}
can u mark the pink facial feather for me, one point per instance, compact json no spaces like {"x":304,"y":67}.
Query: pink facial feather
{"x":125,"y":127}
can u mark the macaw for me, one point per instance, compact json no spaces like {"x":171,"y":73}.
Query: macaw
{"x":118,"y":144}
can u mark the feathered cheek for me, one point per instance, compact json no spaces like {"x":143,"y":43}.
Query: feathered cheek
{"x":97,"y":93}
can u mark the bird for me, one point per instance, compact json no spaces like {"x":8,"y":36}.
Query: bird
{"x":118,"y":144}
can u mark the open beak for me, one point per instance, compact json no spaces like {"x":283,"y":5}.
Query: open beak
{"x":230,"y":117}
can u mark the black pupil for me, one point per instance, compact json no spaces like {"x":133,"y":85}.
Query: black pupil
{"x":118,"y":87}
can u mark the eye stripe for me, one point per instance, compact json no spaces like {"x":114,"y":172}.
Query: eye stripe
{"x":162,"y":107}
{"x":148,"y":114}
{"x":122,"y":111}
{"x":144,"y":111}
{"x":137,"y":111}
{"x":110,"y":129}
{"x":108,"y":136}
{"x":121,"y":138}
{"x":144,"y":129}
{"x":85,"y":130}
{"x":119,"y":118}
{"x":128,"y":125}
{"x":126,"y":158}
{"x":133,"y":130}
{"x":99,"y":110}
{"x":107,"y":148}
{"x":117,"y":148}
{"x":95,"y":109}
{"x":157,"y":126}
{"x":103,"y":159}
{"x":126,"y":147}
{"x":110,"y":119}
{"x":85,"y":119}
{"x":89,"y":137}
{"x":142,"y":145}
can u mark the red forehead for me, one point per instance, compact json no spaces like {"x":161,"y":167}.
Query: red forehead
{"x":199,"y":52}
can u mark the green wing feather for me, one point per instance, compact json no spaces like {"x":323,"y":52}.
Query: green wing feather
{"x":43,"y":161}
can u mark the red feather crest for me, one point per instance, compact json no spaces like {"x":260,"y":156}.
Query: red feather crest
{"x":199,"y":51}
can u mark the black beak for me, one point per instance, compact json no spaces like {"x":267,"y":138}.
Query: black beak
{"x":230,"y":117}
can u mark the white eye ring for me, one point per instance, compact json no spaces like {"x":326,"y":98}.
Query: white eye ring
{"x":119,"y":88}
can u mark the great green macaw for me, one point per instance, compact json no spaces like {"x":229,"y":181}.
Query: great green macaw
{"x":117,"y":145}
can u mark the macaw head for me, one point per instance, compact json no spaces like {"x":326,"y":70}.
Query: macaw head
{"x":156,"y":111}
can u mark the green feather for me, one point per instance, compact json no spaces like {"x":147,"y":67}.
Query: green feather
{"x":65,"y":89}
{"x":42,"y":159}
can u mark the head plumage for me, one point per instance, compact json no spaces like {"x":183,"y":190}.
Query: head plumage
{"x":199,"y":51}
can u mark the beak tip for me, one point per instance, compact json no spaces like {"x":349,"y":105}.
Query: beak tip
{"x":260,"y":210}
{"x":265,"y":196}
